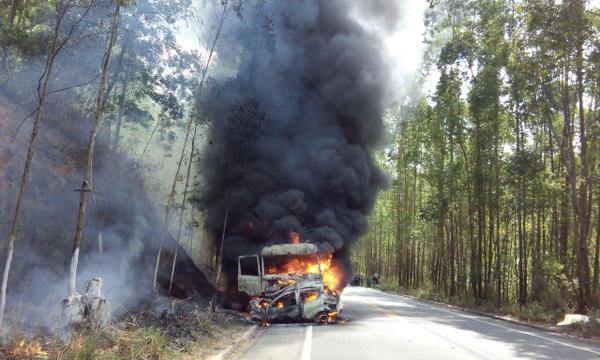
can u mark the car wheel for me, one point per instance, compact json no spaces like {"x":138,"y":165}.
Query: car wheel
{"x":322,"y":318}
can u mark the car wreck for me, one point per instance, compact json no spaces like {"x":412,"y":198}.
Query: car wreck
{"x":283,"y":293}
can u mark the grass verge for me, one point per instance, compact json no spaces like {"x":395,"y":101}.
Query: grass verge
{"x":183,"y":332}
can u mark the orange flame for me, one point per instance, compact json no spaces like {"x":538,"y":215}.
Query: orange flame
{"x":332,"y":274}
{"x":332,"y":317}
{"x":263,"y":303}
{"x":28,"y":349}
{"x":311,"y":297}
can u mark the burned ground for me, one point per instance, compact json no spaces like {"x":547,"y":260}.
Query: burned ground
{"x":122,"y":211}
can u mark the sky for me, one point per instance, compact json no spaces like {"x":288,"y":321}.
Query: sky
{"x":405,"y":46}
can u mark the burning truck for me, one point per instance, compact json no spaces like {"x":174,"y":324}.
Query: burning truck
{"x":290,"y":283}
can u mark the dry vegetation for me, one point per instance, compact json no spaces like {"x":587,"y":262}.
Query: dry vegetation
{"x":183,"y":330}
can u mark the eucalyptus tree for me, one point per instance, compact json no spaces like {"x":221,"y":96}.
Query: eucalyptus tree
{"x":87,"y":183}
{"x":150,"y":67}
{"x":504,"y":182}
{"x":68,"y":16}
{"x":224,"y":10}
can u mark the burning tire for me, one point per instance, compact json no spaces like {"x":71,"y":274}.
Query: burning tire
{"x":322,"y":318}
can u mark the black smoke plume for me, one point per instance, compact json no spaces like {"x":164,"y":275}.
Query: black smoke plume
{"x":293,"y":130}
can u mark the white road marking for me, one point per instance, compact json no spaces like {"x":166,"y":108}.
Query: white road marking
{"x":492,"y":322}
{"x":307,"y":347}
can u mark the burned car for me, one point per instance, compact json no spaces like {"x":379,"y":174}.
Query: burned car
{"x":305,"y":300}
{"x":286,"y":284}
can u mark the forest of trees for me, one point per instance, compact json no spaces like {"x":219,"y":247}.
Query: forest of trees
{"x":104,"y":86}
{"x":495,"y":194}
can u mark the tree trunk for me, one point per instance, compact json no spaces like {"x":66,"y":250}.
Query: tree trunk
{"x":583,"y":266}
{"x":120,"y":114}
{"x":538,"y":280}
{"x":596,"y":254}
{"x":100,"y":244}
{"x":522,"y":272}
{"x":42,"y":93}
{"x":223,"y":16}
{"x":183,"y":205}
{"x":87,"y":184}
{"x":564,"y":165}
{"x":165,"y":223}
{"x":190,"y":243}
{"x":13,"y":12}
{"x":497,"y":210}
{"x":398,"y":221}
{"x":470,"y":229}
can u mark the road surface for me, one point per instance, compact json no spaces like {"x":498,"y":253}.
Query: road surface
{"x":385,"y":326}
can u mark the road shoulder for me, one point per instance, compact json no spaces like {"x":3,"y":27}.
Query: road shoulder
{"x":239,"y":345}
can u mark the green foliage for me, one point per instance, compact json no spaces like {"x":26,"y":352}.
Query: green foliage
{"x":483,"y":212}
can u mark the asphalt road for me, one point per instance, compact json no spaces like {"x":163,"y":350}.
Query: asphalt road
{"x":385,"y":326}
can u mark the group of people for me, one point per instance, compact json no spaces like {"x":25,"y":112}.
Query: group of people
{"x":361,"y":280}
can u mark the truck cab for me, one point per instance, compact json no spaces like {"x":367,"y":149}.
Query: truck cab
{"x":255,"y":279}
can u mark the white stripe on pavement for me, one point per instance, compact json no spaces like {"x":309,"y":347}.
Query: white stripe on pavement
{"x":307,"y":347}
{"x":492,"y":322}
{"x":488,"y":322}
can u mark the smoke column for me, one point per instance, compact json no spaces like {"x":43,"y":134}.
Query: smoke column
{"x":293,"y":130}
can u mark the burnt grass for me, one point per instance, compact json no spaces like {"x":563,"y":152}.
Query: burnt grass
{"x":164,"y":328}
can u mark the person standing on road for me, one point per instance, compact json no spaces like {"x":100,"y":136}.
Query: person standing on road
{"x":375,"y":279}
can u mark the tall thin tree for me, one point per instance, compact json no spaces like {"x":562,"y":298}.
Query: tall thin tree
{"x":57,"y":44}
{"x":86,"y":186}
{"x":225,"y":8}
{"x":183,"y":206}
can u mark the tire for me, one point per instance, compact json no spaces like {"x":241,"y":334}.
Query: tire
{"x":322,"y":318}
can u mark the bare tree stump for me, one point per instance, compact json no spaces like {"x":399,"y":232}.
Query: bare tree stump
{"x":87,"y":311}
